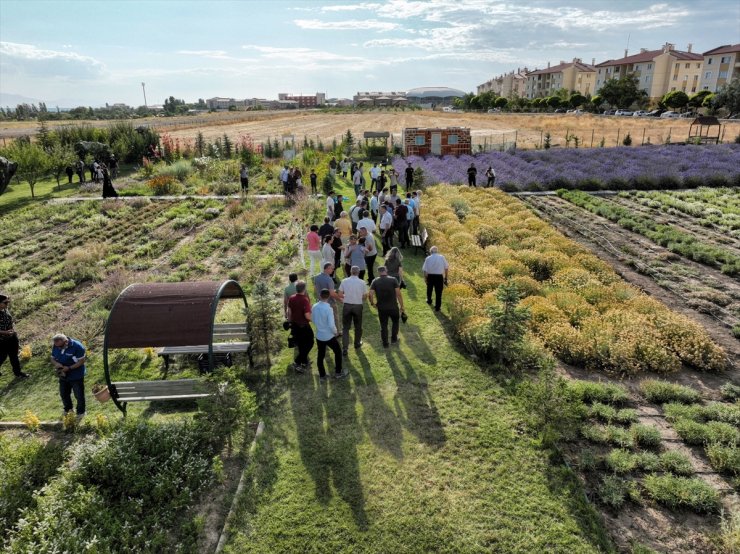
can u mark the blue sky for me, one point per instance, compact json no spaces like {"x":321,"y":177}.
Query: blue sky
{"x":69,"y":53}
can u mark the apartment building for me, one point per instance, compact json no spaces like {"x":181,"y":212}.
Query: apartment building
{"x":721,"y":64}
{"x":303,"y":101}
{"x":657,"y":71}
{"x":507,"y":85}
{"x":572,"y":76}
{"x":219,"y":103}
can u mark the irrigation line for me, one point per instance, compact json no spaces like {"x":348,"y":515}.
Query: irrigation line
{"x":596,"y":237}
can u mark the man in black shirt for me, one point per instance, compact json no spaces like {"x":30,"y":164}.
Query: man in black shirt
{"x":389,"y":298}
{"x":472,"y":172}
{"x":326,"y":229}
{"x":401,"y":223}
{"x":9,"y":338}
{"x":409,"y":177}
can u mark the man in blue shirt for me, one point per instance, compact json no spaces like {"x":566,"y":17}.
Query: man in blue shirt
{"x":68,"y":358}
{"x":326,"y":335}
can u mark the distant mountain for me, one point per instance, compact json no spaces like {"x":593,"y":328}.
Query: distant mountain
{"x":13,"y":100}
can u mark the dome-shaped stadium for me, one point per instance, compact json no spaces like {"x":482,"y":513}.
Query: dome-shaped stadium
{"x":435,"y":96}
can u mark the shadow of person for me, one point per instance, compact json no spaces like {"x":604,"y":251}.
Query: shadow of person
{"x":344,"y":434}
{"x":422,"y":416}
{"x":378,"y":419}
{"x":416,"y":342}
{"x":307,"y":402}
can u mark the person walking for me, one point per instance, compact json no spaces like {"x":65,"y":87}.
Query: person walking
{"x":299,"y":317}
{"x":338,"y":207}
{"x":327,"y":251}
{"x":9,"y":344}
{"x":353,"y":292}
{"x":326,"y":229}
{"x":386,"y":228}
{"x":313,"y":240}
{"x":417,"y":204}
{"x":325,"y":280}
{"x":472,"y":172}
{"x":330,"y":206}
{"x":409,"y":176}
{"x":337,"y":245}
{"x":385,"y":293}
{"x":314,"y":182}
{"x":344,"y":166}
{"x":81,"y":171}
{"x":354,"y":254}
{"x":374,"y":174}
{"x":371,"y":252}
{"x":109,"y":190}
{"x":69,"y":170}
{"x":374,"y":206}
{"x":333,"y":167}
{"x":357,"y":180}
{"x":401,"y":223}
{"x":68,"y":357}
{"x":394,"y":266}
{"x":344,"y":224}
{"x":366,"y":223}
{"x":244,"y":179}
{"x":288,"y":292}
{"x":435,"y":270}
{"x":326,"y":335}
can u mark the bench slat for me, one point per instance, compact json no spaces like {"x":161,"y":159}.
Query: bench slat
{"x":218,"y":348}
{"x":154,"y":398}
{"x":140,"y":391}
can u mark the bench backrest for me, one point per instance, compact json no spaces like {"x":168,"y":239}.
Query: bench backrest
{"x":424,"y":235}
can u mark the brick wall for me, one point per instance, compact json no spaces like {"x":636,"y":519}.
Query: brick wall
{"x":463,"y":146}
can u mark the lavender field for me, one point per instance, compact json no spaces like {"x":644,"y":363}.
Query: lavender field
{"x":643,"y":167}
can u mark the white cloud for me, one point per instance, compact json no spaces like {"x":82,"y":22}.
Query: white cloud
{"x":30,"y":60}
{"x":204,"y":53}
{"x":350,"y":7}
{"x":347,"y":25}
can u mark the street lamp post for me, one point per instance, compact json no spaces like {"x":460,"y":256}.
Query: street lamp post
{"x":143,"y":88}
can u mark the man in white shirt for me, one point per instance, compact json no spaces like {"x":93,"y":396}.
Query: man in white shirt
{"x":386,"y":228}
{"x":374,"y":174}
{"x":371,"y":252}
{"x":284,"y":178}
{"x":330,"y":206}
{"x":374,"y":204}
{"x":355,"y":214}
{"x":366,"y":223}
{"x":357,"y":180}
{"x":353,"y":292}
{"x":435,"y":270}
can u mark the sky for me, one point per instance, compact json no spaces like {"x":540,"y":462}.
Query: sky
{"x":69,"y":53}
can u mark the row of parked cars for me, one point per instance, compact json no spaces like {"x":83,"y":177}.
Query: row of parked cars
{"x":665,"y":114}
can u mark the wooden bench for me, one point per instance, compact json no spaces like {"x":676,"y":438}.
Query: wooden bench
{"x":221,"y":331}
{"x":146,"y":391}
{"x":419,"y":241}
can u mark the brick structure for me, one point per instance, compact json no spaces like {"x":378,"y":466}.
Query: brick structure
{"x":438,"y":142}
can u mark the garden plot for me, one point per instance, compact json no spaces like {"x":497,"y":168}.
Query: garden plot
{"x":704,"y":293}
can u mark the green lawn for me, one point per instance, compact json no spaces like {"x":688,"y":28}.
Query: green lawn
{"x":417,"y":450}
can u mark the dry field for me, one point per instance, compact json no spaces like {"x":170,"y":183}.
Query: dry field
{"x":526,"y":129}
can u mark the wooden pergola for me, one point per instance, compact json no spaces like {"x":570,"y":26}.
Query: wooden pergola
{"x":702,"y":130}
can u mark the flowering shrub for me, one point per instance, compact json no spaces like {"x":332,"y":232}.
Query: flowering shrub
{"x":164,"y":185}
{"x":647,"y":167}
{"x":579,"y":308}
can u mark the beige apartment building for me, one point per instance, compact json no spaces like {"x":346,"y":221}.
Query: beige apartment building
{"x":721,"y":64}
{"x":507,"y":85}
{"x":572,"y":76}
{"x":657,"y":71}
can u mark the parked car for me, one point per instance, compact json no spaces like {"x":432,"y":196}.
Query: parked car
{"x":640,"y":113}
{"x":670,"y":114}
{"x":656,"y":113}
{"x":623,"y":112}
{"x":609,"y":112}
{"x":687,"y":115}
{"x":561,"y":110}
{"x":494,"y":110}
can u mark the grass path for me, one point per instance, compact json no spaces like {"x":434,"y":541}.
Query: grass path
{"x":417,"y":450}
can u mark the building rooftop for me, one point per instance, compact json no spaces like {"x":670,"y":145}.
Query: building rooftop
{"x":434,"y":92}
{"x":725,"y":49}
{"x":650,"y":55}
{"x":580,"y":66}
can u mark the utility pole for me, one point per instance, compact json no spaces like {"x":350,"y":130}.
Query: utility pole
{"x":143,"y":88}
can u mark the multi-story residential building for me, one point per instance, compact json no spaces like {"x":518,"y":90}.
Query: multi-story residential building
{"x":219,"y":103}
{"x":313,"y":101}
{"x":572,"y":76}
{"x":721,"y":64}
{"x":509,"y":84}
{"x":392,"y":98}
{"x":657,"y":71}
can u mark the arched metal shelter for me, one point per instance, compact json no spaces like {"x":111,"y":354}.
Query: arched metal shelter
{"x":166,"y":315}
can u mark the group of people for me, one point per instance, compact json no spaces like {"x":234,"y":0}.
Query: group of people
{"x":68,"y":358}
{"x":473,"y":175}
{"x":99,"y":173}
{"x":347,"y":241}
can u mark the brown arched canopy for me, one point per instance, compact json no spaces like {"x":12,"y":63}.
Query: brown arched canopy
{"x":166,"y":314}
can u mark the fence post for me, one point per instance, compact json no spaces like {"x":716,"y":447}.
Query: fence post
{"x":643,"y":137}
{"x":618,"y":130}
{"x":516,"y":137}
{"x":592,"y":137}
{"x":541,"y":133}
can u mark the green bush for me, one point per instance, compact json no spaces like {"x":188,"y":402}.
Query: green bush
{"x":662,"y":391}
{"x":606,"y":393}
{"x":676,"y":463}
{"x":179,"y":170}
{"x":609,"y":414}
{"x":729,"y":391}
{"x":724,"y":458}
{"x":645,"y":436}
{"x":682,"y":493}
{"x":621,"y":461}
{"x":118,"y":492}
{"x":693,"y":432}
{"x":608,"y":434}
{"x":624,"y":461}
{"x":728,"y":413}
{"x":613,"y":491}
{"x":674,"y":411}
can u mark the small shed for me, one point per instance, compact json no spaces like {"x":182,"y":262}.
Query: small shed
{"x":376,"y":143}
{"x":705,"y":129}
{"x":176,"y":316}
{"x":436,"y":141}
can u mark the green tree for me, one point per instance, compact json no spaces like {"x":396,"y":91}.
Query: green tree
{"x":697,"y":100}
{"x":228,"y":147}
{"x":622,"y":92}
{"x":60,"y":157}
{"x":501,"y":102}
{"x":729,"y":97}
{"x":676,"y":99}
{"x":200,"y":144}
{"x":552,"y":101}
{"x":33,"y":163}
{"x":264,"y":315}
{"x":349,"y":142}
{"x":576,"y":99}
{"x":508,"y":325}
